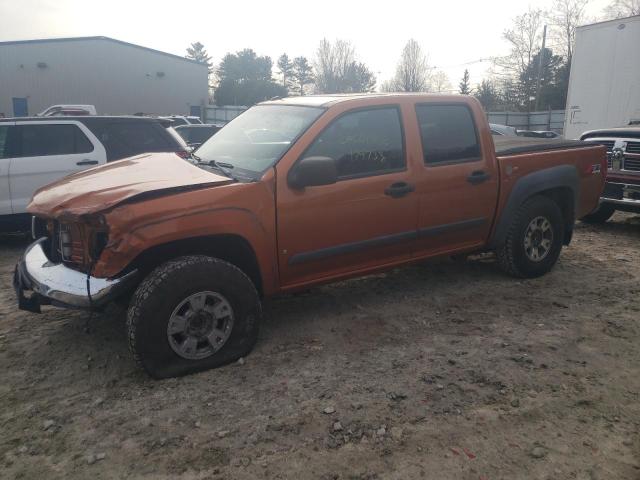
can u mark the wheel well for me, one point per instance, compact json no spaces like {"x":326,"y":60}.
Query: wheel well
{"x":564,"y":198}
{"x":230,"y":248}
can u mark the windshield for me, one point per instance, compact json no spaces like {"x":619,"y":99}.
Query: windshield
{"x":257,"y":139}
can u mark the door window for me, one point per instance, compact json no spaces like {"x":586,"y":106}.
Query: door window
{"x":448,"y":134}
{"x":363,"y":143}
{"x":51,"y":139}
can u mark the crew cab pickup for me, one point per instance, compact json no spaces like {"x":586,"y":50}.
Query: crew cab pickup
{"x":293,"y":193}
{"x":622,"y":190}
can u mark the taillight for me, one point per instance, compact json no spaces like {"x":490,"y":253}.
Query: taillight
{"x":182,"y":154}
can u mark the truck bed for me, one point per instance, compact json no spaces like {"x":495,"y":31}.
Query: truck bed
{"x":520,"y":145}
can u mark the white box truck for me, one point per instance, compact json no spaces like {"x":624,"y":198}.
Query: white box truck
{"x":604,"y":85}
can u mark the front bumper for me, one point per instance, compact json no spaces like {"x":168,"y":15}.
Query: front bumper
{"x":59,"y":285}
{"x":623,"y":195}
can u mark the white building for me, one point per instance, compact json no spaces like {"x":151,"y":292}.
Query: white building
{"x":117,"y":77}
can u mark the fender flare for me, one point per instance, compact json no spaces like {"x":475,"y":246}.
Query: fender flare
{"x":561,"y":176}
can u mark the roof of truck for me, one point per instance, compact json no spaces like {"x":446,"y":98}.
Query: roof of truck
{"x":327,"y":100}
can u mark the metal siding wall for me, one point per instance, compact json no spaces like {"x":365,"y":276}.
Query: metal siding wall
{"x":222,"y":114}
{"x":116,"y":78}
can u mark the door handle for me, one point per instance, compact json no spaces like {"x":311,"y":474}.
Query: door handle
{"x":399,"y":189}
{"x":477,"y":177}
{"x":87,"y":162}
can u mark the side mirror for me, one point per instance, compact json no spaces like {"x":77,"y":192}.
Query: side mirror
{"x":313,"y":171}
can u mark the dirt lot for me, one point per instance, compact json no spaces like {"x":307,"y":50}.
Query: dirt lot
{"x":448,"y":370}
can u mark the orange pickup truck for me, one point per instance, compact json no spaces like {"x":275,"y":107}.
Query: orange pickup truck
{"x":293,"y":193}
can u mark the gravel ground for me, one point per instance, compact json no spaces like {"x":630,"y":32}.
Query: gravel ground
{"x":447,"y":370}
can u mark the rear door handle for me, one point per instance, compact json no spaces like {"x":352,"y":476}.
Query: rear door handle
{"x":399,"y":189}
{"x":477,"y":177}
{"x":87,"y":162}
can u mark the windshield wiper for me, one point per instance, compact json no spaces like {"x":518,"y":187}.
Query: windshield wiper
{"x":221,"y":166}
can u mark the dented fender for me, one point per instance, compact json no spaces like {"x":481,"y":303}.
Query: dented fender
{"x":245,"y":210}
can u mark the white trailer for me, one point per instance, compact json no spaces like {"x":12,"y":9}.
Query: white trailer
{"x":604,"y":85}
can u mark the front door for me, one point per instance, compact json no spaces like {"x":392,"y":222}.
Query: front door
{"x":366,"y":219}
{"x":47,"y":151}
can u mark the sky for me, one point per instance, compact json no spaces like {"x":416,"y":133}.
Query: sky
{"x":455,"y":34}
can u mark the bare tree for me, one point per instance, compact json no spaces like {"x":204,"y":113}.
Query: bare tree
{"x":513,"y":71}
{"x":388,"y":86}
{"x":564,"y":17}
{"x":439,"y":82}
{"x":338,"y":71}
{"x":622,"y":8}
{"x":524,"y":38}
{"x":412,"y":72}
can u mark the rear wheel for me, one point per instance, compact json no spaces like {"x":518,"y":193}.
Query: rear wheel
{"x":534,"y":239}
{"x":191,"y":314}
{"x":600,"y":214}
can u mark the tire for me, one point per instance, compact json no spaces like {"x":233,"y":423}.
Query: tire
{"x":160,"y":299}
{"x":514,"y":257}
{"x":600,"y":214}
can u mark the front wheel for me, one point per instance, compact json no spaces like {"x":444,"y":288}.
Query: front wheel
{"x":534,"y":239}
{"x":192,"y":314}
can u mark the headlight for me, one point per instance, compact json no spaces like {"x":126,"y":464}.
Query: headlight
{"x":66,"y":242}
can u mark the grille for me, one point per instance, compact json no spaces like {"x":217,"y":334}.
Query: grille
{"x":632,"y":147}
{"x":632,"y":164}
{"x":609,"y":146}
{"x":607,"y":143}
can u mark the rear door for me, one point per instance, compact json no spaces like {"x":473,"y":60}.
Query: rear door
{"x":47,"y":151}
{"x":458,"y":184}
{"x":5,"y":160}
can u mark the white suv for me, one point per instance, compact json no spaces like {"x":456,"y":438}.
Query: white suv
{"x":37,"y":151}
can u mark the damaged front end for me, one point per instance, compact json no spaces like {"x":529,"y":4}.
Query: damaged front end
{"x":57,"y":267}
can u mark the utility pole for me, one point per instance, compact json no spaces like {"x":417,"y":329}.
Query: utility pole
{"x":540,"y":57}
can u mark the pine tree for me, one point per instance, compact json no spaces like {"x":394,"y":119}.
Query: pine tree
{"x":302,"y":73}
{"x":198,"y":53}
{"x":286,"y":70}
{"x":464,"y":86}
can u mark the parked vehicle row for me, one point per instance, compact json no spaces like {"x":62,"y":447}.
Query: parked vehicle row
{"x":40,"y":150}
{"x":293,"y":193}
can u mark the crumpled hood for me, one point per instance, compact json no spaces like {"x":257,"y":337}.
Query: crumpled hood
{"x":100,"y":188}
